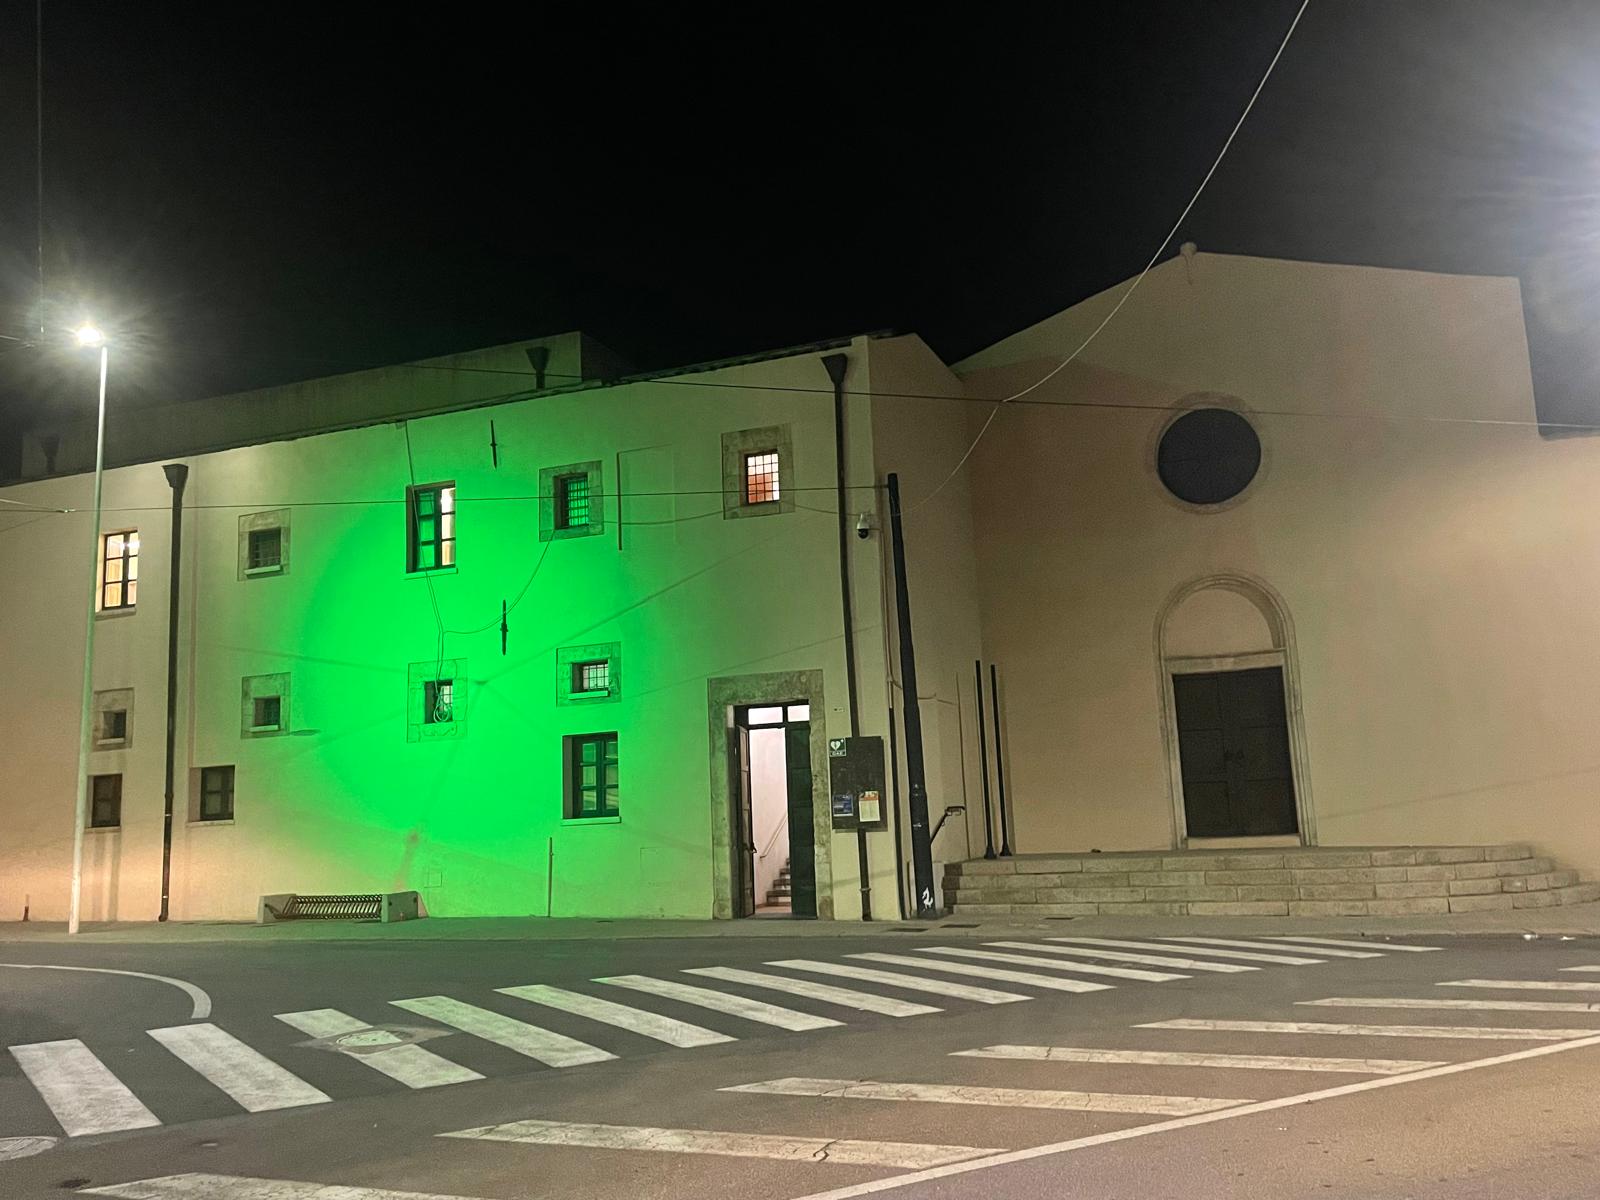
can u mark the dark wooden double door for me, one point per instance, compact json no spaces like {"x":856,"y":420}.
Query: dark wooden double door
{"x":1233,"y":745}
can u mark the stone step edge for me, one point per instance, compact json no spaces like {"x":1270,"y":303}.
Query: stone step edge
{"x":1303,"y":857}
{"x":1233,"y":885}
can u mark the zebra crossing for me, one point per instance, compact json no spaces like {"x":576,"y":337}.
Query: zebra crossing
{"x":86,"y":1096}
{"x":1167,"y":1054}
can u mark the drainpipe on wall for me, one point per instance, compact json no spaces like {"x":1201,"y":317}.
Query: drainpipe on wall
{"x":177,"y":476}
{"x":836,"y":364}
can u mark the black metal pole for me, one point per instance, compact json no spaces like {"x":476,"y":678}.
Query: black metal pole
{"x":836,"y":364}
{"x":894,"y":808}
{"x":999,"y":760}
{"x":916,"y":775}
{"x":177,"y":476}
{"x":983,"y":767}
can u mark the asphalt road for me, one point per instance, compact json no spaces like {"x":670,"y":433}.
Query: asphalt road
{"x":1073,"y":1092}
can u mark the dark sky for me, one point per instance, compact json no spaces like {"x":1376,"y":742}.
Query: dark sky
{"x":259,"y":193}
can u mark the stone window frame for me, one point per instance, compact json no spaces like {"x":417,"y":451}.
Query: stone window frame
{"x":277,"y":518}
{"x":548,"y":530}
{"x":254,"y":687}
{"x":418,"y":676}
{"x":112,"y":700}
{"x":567,"y":660}
{"x":738,"y":443}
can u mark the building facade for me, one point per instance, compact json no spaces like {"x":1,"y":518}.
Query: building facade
{"x":1280,"y":558}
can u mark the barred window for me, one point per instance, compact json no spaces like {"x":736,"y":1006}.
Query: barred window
{"x":592,"y":676}
{"x":572,"y":501}
{"x":438,"y":702}
{"x":265,"y":550}
{"x":761,"y":477}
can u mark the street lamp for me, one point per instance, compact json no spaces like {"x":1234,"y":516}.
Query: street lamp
{"x":88,"y":336}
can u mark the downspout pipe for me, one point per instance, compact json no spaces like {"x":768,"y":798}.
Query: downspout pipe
{"x":836,"y":364}
{"x":177,"y":476}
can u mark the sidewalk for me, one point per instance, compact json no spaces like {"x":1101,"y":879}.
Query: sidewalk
{"x":1578,"y":920}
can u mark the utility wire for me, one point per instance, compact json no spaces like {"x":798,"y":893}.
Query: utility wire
{"x":1137,"y":280}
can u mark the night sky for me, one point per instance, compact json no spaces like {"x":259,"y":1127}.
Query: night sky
{"x":255,"y":194}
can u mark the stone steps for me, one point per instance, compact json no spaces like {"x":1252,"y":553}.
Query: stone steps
{"x":1297,"y":882}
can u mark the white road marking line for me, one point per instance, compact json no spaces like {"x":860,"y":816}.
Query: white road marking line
{"x":738,"y":1006}
{"x":544,"y":1045}
{"x":1163,"y":1058}
{"x":1055,"y":964}
{"x":1478,"y":1032}
{"x":623,"y":1016}
{"x":1327,"y":951}
{"x":1580,"y":968}
{"x":1249,"y":955}
{"x":253,"y":1081}
{"x":948,"y":1093}
{"x":1573,"y":1006}
{"x":1050,"y":1150}
{"x":1322,"y":941}
{"x":734,"y":1145}
{"x":80,"y":1089}
{"x":1031,"y":978}
{"x":1531,"y":985}
{"x":199,"y":1001}
{"x":197,"y":1186}
{"x":403,"y":1061}
{"x":911,"y":983}
{"x":887,"y":1006}
{"x":1149,"y":960}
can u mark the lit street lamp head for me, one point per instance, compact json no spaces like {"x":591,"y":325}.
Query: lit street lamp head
{"x":88,"y":334}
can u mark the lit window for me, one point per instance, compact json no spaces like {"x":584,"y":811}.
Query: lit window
{"x":216,"y":794}
{"x":438,"y":702}
{"x":572,"y":501}
{"x":761,"y":477}
{"x":592,"y":676}
{"x":105,"y":801}
{"x":119,"y":570}
{"x":267,"y":712}
{"x":593,"y":776}
{"x":432,"y":513}
{"x":265,"y":550}
{"x":114,"y":725}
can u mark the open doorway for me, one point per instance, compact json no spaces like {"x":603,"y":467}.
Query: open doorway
{"x":774,"y":838}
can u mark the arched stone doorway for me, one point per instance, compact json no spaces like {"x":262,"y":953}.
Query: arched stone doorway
{"x":1231,"y":715}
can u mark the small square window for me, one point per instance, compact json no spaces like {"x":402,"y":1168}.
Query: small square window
{"x":592,"y":776}
{"x":572,"y":501}
{"x":592,"y":676}
{"x":216,"y":794}
{"x":438,"y":702}
{"x":761,"y":477}
{"x":265,"y":551}
{"x":267,"y":712}
{"x":119,"y":570}
{"x":105,"y":801}
{"x":431,"y":518}
{"x":114,"y":725}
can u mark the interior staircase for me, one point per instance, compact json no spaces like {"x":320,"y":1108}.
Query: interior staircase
{"x":780,"y":894}
{"x":1306,"y":881}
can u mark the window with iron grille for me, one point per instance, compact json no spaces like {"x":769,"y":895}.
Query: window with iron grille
{"x":268,"y":712}
{"x":592,"y":676}
{"x":119,"y":570}
{"x":438,"y":702}
{"x":114,"y":725}
{"x":265,"y":550}
{"x":105,"y":801}
{"x":216,"y":794}
{"x":572,"y":501}
{"x":761,"y":477}
{"x":592,"y":776}
{"x":431,"y":520}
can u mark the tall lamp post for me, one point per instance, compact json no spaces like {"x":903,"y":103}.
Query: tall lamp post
{"x":89,"y":337}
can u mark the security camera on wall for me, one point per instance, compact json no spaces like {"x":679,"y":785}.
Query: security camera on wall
{"x":863,"y":526}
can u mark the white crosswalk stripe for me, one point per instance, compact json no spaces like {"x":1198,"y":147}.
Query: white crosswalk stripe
{"x":911,"y":983}
{"x":379,"y":1049}
{"x":947,"y":1093}
{"x":886,"y":1006}
{"x":1149,"y":960}
{"x":1031,"y":978}
{"x":1321,"y":951}
{"x":195,"y":1186}
{"x":623,"y":1016}
{"x":1055,"y":964}
{"x":1596,"y":968}
{"x":738,"y":1006}
{"x":80,"y":1090}
{"x":1175,"y":1058}
{"x":1569,"y":1006}
{"x":1470,"y":1032}
{"x":1322,"y":941}
{"x":843,"y":1152}
{"x":1527,"y":985}
{"x":1283,"y":959}
{"x":552,"y":1049}
{"x":253,"y":1081}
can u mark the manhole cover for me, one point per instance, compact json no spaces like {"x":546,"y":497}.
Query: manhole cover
{"x":24,"y":1147}
{"x":374,"y":1038}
